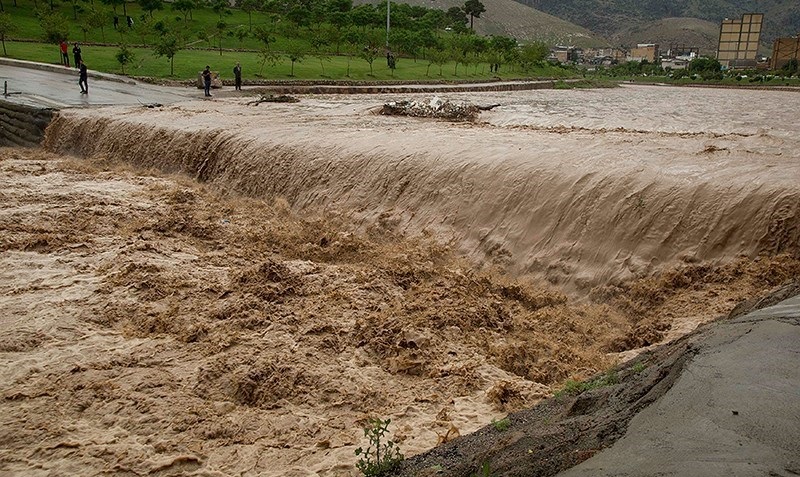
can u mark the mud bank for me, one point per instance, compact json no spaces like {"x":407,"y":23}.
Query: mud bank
{"x":583,"y":188}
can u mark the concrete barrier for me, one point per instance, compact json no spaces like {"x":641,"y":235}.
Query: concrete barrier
{"x":22,"y":125}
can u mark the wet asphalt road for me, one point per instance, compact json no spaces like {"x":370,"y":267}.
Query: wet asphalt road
{"x":59,"y":89}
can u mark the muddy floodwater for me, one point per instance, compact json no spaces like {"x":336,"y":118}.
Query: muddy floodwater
{"x":211,"y":288}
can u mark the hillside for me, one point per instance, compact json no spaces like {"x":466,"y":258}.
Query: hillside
{"x":679,"y":31}
{"x":510,"y":18}
{"x":611,"y":17}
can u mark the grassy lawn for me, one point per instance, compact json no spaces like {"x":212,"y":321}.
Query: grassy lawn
{"x":201,"y":37}
{"x":725,"y":81}
{"x":188,"y":63}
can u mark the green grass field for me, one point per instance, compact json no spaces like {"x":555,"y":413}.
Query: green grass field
{"x":100,"y":56}
{"x":188,"y":63}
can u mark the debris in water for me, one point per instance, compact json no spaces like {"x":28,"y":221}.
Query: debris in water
{"x":433,"y":108}
{"x":283,"y":98}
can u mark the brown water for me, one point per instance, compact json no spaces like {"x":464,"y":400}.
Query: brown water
{"x":586,"y":186}
{"x":154,"y":325}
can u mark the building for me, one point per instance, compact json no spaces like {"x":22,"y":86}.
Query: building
{"x":565,"y":54}
{"x":674,"y":63}
{"x":738,"y":41}
{"x":784,"y":50}
{"x":644,"y":51}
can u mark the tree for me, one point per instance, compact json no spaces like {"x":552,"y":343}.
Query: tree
{"x":371,"y":51}
{"x":532,"y":54}
{"x":221,"y":26}
{"x":364,"y":16}
{"x":97,"y":18}
{"x":265,"y":35}
{"x":249,"y":6}
{"x":437,"y":57}
{"x":789,"y":69}
{"x":150,"y":5}
{"x":6,"y":28}
{"x":473,"y":8}
{"x":75,"y":8}
{"x":55,"y":27}
{"x":319,"y":42}
{"x":113,"y":4}
{"x":185,"y":7}
{"x":456,"y":19}
{"x":296,"y":52}
{"x":168,"y":45}
{"x":124,"y":56}
{"x":266,"y":56}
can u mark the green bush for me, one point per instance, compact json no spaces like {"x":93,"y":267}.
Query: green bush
{"x":382,"y":456}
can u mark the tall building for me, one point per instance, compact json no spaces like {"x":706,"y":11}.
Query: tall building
{"x":738,"y":41}
{"x":784,"y":50}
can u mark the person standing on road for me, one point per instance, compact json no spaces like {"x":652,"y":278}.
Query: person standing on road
{"x":237,"y":74}
{"x":207,"y":80}
{"x":82,"y":81}
{"x":64,"y":55}
{"x":76,"y":53}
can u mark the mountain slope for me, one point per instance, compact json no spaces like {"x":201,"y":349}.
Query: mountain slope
{"x":510,"y":18}
{"x":678,"y":31}
{"x":610,"y":17}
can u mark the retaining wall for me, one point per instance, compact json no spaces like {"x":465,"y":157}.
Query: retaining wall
{"x":22,"y":125}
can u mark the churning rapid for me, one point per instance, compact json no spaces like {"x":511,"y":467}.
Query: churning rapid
{"x":585,"y":187}
{"x":314,"y":275}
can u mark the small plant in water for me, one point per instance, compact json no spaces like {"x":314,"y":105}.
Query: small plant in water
{"x":486,"y":470}
{"x":502,"y":425}
{"x":573,"y":388}
{"x":382,"y":456}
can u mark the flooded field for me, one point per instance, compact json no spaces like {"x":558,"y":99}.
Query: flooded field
{"x":215,"y":289}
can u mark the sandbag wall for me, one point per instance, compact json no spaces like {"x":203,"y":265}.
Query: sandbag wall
{"x":22,"y":125}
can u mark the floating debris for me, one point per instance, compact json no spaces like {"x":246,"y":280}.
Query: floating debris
{"x":433,"y":108}
{"x":283,"y":98}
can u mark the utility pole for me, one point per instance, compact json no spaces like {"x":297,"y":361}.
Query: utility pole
{"x":388,"y":12}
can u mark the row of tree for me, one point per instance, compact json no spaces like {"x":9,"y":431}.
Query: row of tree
{"x":317,"y":28}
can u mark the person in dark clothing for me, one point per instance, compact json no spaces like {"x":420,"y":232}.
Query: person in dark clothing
{"x":64,"y":55}
{"x":116,"y":22}
{"x":130,"y":21}
{"x":82,"y":81}
{"x":76,"y":53}
{"x":207,"y":80}
{"x":237,"y":75}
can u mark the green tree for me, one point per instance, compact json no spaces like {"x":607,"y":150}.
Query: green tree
{"x":265,"y":35}
{"x":790,"y":68}
{"x":7,"y":27}
{"x":75,"y":7}
{"x":124,"y":56}
{"x":54,"y":27}
{"x":473,"y":8}
{"x":249,"y":6}
{"x":296,"y":51}
{"x":151,"y":5}
{"x":437,"y":57}
{"x":168,"y":45}
{"x":97,"y":18}
{"x":185,"y":7}
{"x":319,"y":42}
{"x":457,"y":19}
{"x":113,"y":4}
{"x":265,"y":56}
{"x":532,"y":55}
{"x":220,"y":27}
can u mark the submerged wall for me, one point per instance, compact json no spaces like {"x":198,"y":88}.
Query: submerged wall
{"x":22,"y":125}
{"x":580,"y":207}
